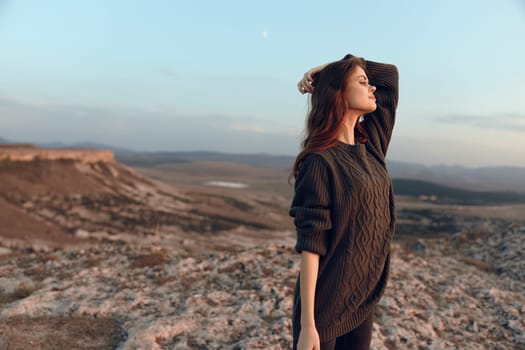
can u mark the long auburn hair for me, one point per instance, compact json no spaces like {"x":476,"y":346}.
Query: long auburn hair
{"x":327,"y":108}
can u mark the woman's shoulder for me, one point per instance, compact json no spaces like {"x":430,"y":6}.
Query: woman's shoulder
{"x":321,"y":160}
{"x":313,"y":159}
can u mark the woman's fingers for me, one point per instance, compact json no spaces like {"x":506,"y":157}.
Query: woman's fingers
{"x":301,"y":87}
{"x":306,"y":84}
{"x":308,"y":80}
{"x":304,"y":87}
{"x":308,"y":87}
{"x":308,"y":77}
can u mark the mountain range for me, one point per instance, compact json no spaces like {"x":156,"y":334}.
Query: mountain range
{"x":487,"y":178}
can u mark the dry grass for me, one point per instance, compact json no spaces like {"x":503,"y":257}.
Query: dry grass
{"x":467,"y":236}
{"x":22,"y":291}
{"x":482,"y":265}
{"x":59,"y":332}
{"x":149,"y":260}
{"x":37,"y":273}
{"x":93,"y":261}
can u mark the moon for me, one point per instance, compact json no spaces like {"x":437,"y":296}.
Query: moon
{"x":264,"y":34}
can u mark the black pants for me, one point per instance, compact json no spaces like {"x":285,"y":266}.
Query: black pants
{"x":358,"y":338}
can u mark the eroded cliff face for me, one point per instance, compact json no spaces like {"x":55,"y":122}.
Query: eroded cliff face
{"x":52,"y":197}
{"x":27,"y":153}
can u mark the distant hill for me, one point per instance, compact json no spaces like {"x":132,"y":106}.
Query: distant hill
{"x":450,"y":195}
{"x":475,"y":179}
{"x":157,"y":158}
{"x":91,"y":145}
{"x":86,"y":144}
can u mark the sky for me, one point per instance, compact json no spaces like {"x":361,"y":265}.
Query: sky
{"x":221,"y":75}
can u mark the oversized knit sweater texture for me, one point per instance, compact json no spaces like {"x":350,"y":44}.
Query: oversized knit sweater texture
{"x":343,"y":210}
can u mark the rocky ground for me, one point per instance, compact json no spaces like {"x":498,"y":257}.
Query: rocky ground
{"x":462,"y":292}
{"x":96,"y":256}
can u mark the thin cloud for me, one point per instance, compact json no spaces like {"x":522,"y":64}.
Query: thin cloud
{"x":143,"y":130}
{"x":260,"y":127}
{"x":249,"y":128}
{"x":502,"y":121}
{"x":72,"y":111}
{"x":167,"y":72}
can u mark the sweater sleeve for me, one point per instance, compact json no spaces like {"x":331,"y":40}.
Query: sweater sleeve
{"x":380,"y":123}
{"x":311,"y":206}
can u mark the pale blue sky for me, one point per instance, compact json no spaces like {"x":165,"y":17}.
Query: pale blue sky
{"x":221,"y":75}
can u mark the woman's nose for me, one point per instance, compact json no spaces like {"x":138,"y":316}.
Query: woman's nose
{"x":372,"y":87}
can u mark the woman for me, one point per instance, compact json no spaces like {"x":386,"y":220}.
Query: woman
{"x":343,"y":206}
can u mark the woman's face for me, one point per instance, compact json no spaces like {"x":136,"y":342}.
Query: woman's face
{"x":360,"y":95}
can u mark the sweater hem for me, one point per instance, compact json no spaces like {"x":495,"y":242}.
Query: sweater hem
{"x":332,"y":332}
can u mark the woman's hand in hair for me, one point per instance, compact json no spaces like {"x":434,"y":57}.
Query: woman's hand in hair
{"x":306,"y":84}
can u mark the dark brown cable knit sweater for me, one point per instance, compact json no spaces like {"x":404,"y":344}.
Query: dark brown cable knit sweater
{"x":344,"y":211}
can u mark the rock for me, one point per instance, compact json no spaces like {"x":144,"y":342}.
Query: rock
{"x":4,"y":343}
{"x":5,"y":251}
{"x":82,"y":234}
{"x":419,"y":246}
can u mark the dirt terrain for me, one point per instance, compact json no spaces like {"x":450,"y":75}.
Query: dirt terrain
{"x":99,"y":255}
{"x":54,"y":203}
